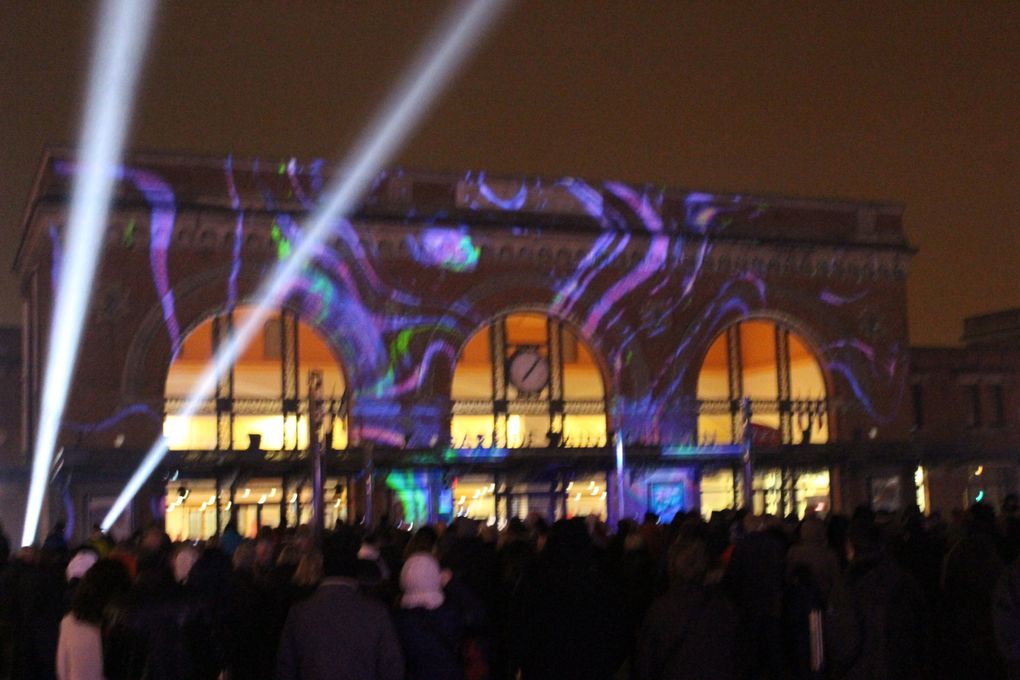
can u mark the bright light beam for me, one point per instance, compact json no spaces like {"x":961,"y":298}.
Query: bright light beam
{"x":117,"y":55}
{"x":399,"y":115}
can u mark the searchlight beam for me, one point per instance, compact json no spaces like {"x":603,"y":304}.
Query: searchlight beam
{"x":397,"y":118}
{"x":117,"y":55}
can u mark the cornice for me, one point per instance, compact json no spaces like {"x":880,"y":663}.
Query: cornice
{"x":387,"y":241}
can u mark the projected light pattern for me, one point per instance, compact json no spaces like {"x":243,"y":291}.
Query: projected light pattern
{"x":115,"y":419}
{"x":393,"y":354}
{"x":450,"y":249}
{"x":399,"y":115}
{"x":162,"y":215}
{"x":412,"y":490}
{"x":120,"y":42}
{"x":235,"y":258}
{"x":402,"y":339}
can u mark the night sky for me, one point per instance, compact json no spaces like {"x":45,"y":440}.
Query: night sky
{"x":912,"y":103}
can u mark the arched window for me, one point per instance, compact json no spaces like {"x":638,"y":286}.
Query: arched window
{"x":526,"y":380}
{"x":775,"y":369}
{"x":263,"y":398}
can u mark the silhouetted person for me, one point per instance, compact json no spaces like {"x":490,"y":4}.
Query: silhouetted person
{"x":431,"y":630}
{"x":566,"y":622}
{"x":691,"y":631}
{"x":80,"y":648}
{"x":159,"y":632}
{"x":972,"y":570}
{"x":888,"y":606}
{"x":755,"y":580}
{"x":1006,"y":619}
{"x":338,"y":633}
{"x":812,"y":574}
{"x":32,"y":600}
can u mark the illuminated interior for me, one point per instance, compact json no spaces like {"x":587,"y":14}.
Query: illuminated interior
{"x":716,"y":490}
{"x":474,"y":496}
{"x":191,"y":506}
{"x":272,"y":370}
{"x":780,"y":492}
{"x":500,"y":395}
{"x":745,"y":357}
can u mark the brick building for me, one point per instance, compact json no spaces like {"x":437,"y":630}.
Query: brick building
{"x":966,"y":410}
{"x":484,"y":344}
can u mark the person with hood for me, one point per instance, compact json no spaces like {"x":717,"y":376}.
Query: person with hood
{"x":431,"y":630}
{"x":76,"y":568}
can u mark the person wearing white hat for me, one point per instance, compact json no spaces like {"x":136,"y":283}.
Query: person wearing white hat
{"x":431,"y":630}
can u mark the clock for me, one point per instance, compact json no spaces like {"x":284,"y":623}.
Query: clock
{"x":529,"y":370}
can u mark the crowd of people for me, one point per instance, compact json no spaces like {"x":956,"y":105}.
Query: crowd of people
{"x":874,"y":595}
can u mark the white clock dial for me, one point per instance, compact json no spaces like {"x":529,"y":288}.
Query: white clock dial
{"x":529,"y":370}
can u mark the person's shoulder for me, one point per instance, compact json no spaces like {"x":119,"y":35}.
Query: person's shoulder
{"x":370,"y":605}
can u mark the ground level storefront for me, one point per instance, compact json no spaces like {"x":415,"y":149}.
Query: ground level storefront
{"x":197,"y":507}
{"x":414,"y":487}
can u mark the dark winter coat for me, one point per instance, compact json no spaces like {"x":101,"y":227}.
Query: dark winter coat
{"x":690,"y":632}
{"x":1006,"y":617}
{"x":159,"y":632}
{"x":339,"y":634}
{"x":432,"y":640}
{"x":888,"y":607}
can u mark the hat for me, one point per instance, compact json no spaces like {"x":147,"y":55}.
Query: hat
{"x":421,"y":582}
{"x":80,"y":564}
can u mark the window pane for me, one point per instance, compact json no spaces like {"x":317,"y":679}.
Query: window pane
{"x":581,"y":376}
{"x":194,"y":354}
{"x":467,"y":431}
{"x":806,"y":381}
{"x":713,"y":382}
{"x":526,"y":329}
{"x":472,"y":379}
{"x":716,"y":491}
{"x":758,"y":354}
{"x":197,"y":433}
{"x":585,"y":430}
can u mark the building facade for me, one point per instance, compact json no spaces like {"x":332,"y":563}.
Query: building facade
{"x":485,"y":346}
{"x":966,"y":409}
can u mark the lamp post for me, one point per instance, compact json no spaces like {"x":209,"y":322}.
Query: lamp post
{"x":315,"y":418}
{"x":748,"y":433}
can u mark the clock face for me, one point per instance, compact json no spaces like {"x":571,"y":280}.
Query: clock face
{"x":529,"y":370}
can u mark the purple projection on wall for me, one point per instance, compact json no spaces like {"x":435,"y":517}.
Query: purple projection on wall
{"x":392,"y":337}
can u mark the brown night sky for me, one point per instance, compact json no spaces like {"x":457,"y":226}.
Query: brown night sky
{"x":916,"y":103}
